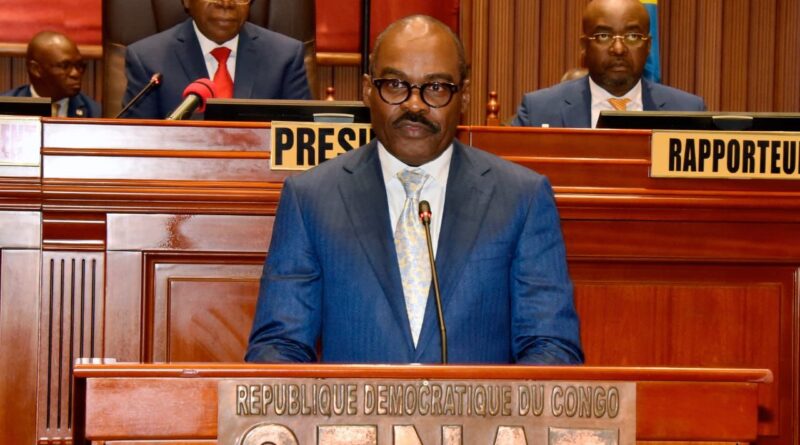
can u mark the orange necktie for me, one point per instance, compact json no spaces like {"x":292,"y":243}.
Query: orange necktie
{"x":619,"y":104}
{"x":222,"y":78}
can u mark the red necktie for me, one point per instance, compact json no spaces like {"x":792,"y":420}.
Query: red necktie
{"x":222,"y":78}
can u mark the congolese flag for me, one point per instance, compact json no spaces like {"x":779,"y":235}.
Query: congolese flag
{"x":652,"y":69}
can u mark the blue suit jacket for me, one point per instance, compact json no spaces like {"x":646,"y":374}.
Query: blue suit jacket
{"x":569,"y":104}
{"x":80,"y":105}
{"x":268,"y":66}
{"x":332,"y":273}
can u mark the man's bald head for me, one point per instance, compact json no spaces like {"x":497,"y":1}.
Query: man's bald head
{"x":417,"y":22}
{"x":615,"y":43}
{"x":601,"y":8}
{"x":45,"y":41}
{"x":55,"y":65}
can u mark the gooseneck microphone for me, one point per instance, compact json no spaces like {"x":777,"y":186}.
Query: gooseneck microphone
{"x":194,"y":98}
{"x":425,"y":216}
{"x":155,"y":80}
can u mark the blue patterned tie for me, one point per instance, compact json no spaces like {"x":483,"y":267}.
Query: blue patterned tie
{"x":412,"y":252}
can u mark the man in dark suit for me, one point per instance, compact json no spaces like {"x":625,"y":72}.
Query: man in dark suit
{"x":256,"y":63}
{"x":614,"y":47}
{"x":347,"y":266}
{"x":55,"y":69}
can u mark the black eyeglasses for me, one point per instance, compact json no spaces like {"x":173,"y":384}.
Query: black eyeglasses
{"x":434,"y":94}
{"x":67,"y":66}
{"x":630,"y":39}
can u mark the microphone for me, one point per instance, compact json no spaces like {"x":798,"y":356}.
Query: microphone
{"x":425,"y":216}
{"x":155,"y":80}
{"x":194,"y":98}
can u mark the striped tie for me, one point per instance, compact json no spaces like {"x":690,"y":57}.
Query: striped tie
{"x":619,"y":104}
{"x":412,"y":252}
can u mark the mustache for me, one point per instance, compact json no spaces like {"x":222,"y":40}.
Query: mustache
{"x":416,"y":118}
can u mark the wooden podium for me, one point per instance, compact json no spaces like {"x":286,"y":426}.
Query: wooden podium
{"x":143,"y":241}
{"x":127,"y":402}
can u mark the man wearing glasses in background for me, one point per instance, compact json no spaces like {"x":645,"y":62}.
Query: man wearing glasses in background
{"x":614,"y":46}
{"x":348,"y":278}
{"x":244,"y":60}
{"x":55,"y":69}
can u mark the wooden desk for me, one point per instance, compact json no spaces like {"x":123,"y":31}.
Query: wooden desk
{"x":144,"y":240}
{"x":179,"y":402}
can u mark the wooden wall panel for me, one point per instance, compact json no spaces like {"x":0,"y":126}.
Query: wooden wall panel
{"x":200,"y":307}
{"x":787,"y":62}
{"x":501,"y":13}
{"x":735,"y":55}
{"x":19,"y":333}
{"x":71,"y":327}
{"x":709,"y":63}
{"x":730,"y":316}
{"x":762,"y":44}
{"x":203,"y":312}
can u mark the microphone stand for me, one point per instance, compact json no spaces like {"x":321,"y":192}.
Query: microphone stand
{"x":425,"y":216}
{"x":155,"y":80}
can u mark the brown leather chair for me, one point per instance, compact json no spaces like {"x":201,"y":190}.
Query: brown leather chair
{"x":126,"y":21}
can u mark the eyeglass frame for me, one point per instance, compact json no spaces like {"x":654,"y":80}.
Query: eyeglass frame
{"x":452,"y":87}
{"x":641,"y":40}
{"x":67,"y":66}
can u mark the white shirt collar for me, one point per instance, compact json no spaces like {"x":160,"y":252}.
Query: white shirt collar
{"x":206,"y":44}
{"x":600,"y":99}
{"x":599,"y":94}
{"x":438,"y":169}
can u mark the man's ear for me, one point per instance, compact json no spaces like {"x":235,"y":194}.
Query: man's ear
{"x":584,"y":46}
{"x":366,"y":89}
{"x":34,"y":69}
{"x":465,"y":96}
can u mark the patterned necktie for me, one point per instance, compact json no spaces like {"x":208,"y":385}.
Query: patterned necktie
{"x":222,"y":78}
{"x":412,"y":251}
{"x":619,"y":104}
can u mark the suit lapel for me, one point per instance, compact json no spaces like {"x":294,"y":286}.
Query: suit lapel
{"x":577,"y":111}
{"x":189,"y":54}
{"x":466,"y":203}
{"x":77,"y":107}
{"x":364,"y":197}
{"x":247,"y":64}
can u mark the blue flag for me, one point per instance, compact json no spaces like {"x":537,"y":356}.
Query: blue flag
{"x":652,"y":68}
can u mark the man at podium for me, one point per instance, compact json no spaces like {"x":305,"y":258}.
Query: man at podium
{"x":348,"y":277}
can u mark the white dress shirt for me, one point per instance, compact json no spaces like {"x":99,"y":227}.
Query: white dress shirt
{"x":433,"y":190}
{"x":600,"y":99}
{"x":207,"y":45}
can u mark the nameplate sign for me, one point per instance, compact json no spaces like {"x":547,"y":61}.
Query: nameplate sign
{"x":731,"y":155}
{"x":298,"y":146}
{"x":425,"y":412}
{"x":20,"y":140}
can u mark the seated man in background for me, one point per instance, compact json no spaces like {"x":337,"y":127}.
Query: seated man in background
{"x":348,"y":266}
{"x":615,"y":46}
{"x":55,"y":69}
{"x":244,"y":60}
